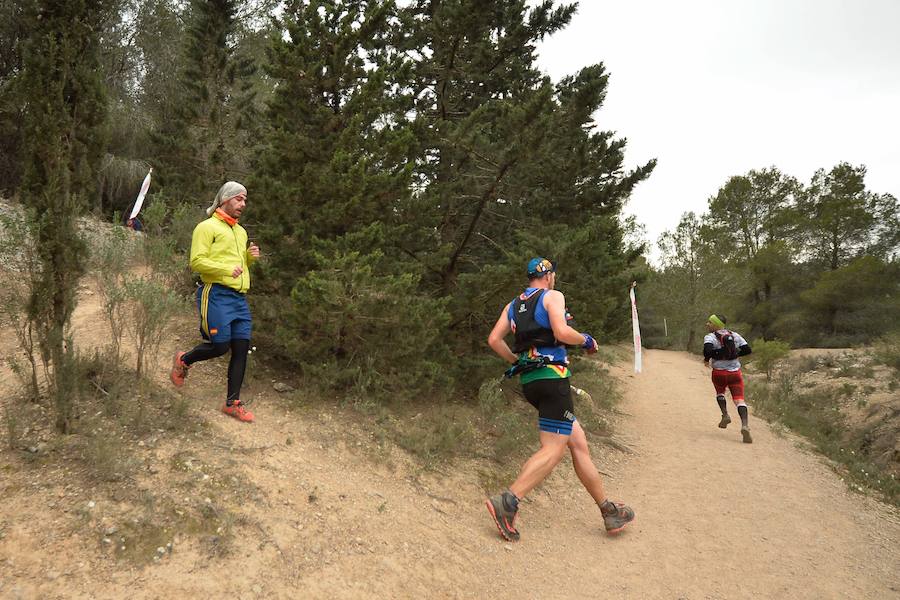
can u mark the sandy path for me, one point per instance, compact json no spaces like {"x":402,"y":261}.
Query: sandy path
{"x":715,"y":518}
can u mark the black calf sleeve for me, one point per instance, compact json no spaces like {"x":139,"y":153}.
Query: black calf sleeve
{"x":721,"y":400}
{"x":742,"y":410}
{"x":236,"y":367}
{"x":205,"y":351}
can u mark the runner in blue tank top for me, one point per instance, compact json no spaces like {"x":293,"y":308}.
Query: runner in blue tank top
{"x":538,"y":319}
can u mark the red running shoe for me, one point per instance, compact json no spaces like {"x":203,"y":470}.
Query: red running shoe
{"x":179,"y":370}
{"x":238,"y":411}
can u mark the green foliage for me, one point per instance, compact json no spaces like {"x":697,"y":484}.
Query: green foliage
{"x":203,"y":142}
{"x":748,"y":212}
{"x":767,"y":355}
{"x":842,"y":220}
{"x":695,"y":282}
{"x":852,"y":304}
{"x":62,"y":150}
{"x":886,"y":351}
{"x":442,"y":434}
{"x":13,"y":32}
{"x":109,"y":261}
{"x":21,"y":268}
{"x":151,"y":305}
{"x":448,"y":138}
{"x":362,"y":327}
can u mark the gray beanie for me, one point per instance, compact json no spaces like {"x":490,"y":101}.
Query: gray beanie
{"x":229,"y":189}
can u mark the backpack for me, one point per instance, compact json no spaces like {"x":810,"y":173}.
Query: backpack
{"x":729,"y":350}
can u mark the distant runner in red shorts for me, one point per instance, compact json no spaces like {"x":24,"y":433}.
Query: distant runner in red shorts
{"x":721,"y":349}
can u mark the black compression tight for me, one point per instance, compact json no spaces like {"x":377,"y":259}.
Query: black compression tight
{"x":206,"y":351}
{"x":236,"y":366}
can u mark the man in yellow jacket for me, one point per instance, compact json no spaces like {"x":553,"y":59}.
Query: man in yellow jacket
{"x":220,"y":254}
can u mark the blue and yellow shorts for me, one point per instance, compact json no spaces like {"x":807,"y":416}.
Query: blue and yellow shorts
{"x":224,"y":313}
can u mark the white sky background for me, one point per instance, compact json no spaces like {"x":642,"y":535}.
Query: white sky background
{"x":716,"y":88}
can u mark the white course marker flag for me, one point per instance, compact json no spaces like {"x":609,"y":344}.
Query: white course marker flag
{"x":635,"y":330}
{"x":140,"y":199}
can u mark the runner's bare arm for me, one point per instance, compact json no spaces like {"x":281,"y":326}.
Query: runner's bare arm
{"x":555,"y":303}
{"x":496,"y":339}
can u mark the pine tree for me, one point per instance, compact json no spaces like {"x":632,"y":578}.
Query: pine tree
{"x":335,"y":168}
{"x":843,"y":220}
{"x":425,"y":141}
{"x":64,"y":101}
{"x":751,"y":225}
{"x":203,"y":143}
{"x":511,"y":165}
{"x":13,"y":33}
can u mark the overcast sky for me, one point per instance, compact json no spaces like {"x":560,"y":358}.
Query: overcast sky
{"x":716,"y":88}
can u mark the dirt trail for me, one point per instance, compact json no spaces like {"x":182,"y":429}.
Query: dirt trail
{"x":715,"y":518}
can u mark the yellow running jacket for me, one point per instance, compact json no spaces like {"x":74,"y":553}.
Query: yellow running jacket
{"x":216,"y":249}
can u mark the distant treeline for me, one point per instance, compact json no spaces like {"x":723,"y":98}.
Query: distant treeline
{"x":814,"y":265}
{"x":403,"y":161}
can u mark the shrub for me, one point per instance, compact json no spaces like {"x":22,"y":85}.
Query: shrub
{"x":766,"y":355}
{"x":886,"y":351}
{"x":362,"y":329}
{"x":151,"y":306}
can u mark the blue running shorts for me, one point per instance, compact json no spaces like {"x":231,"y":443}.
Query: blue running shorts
{"x":224,"y":313}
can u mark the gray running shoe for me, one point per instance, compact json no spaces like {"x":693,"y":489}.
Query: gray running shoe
{"x":724,"y":422}
{"x":745,"y":433}
{"x":504,"y":519}
{"x":616,"y":516}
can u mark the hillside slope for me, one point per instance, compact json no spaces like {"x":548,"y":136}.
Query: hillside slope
{"x":299,"y":505}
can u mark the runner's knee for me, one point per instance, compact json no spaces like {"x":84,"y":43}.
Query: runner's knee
{"x":557,"y":452}
{"x":578,"y":442}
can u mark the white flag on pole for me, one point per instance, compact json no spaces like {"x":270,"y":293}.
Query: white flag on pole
{"x":635,"y":330}
{"x":140,"y":199}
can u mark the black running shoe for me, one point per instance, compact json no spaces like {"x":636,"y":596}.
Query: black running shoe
{"x":724,"y":422}
{"x":505,"y":519}
{"x":745,"y":433}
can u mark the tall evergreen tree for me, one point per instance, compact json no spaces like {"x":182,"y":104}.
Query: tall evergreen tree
{"x":423,"y":144}
{"x":334,"y":170}
{"x":203,"y":142}
{"x":750,"y":210}
{"x":694,"y":281}
{"x":510,"y":164}
{"x":843,"y":220}
{"x":13,"y":33}
{"x":61,"y":85}
{"x":750,"y":223}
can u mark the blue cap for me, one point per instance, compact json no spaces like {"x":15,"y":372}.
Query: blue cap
{"x":537,"y":267}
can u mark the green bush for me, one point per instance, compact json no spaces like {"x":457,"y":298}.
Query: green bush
{"x":767,"y":355}
{"x":151,"y":305}
{"x":363,"y":330}
{"x":886,"y":351}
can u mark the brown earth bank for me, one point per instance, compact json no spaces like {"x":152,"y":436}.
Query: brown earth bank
{"x":305,"y":503}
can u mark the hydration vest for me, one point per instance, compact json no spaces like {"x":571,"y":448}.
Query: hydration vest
{"x":529,"y":333}
{"x":729,"y":350}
